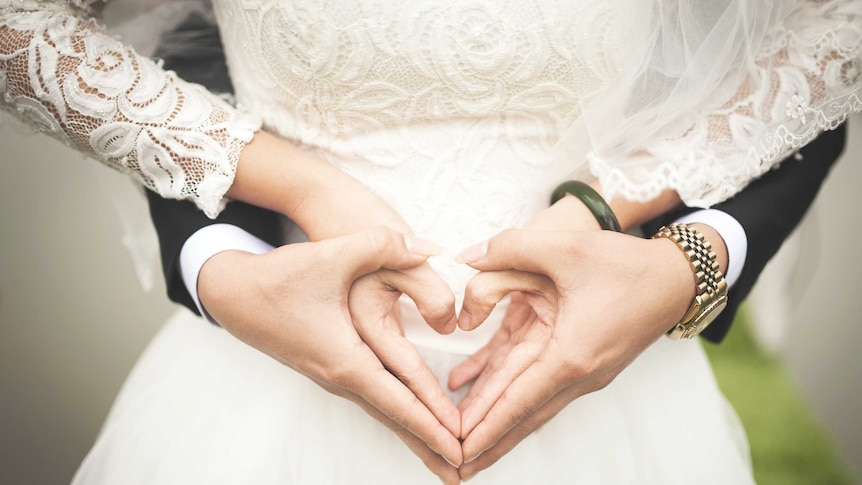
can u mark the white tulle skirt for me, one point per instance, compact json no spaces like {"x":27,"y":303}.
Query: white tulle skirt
{"x":202,"y":407}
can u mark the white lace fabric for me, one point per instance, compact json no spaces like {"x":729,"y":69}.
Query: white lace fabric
{"x":341,"y":71}
{"x":63,"y":75}
{"x":806,"y":77}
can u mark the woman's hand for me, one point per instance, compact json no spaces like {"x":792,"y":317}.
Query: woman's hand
{"x":598,"y":298}
{"x":292,"y":304}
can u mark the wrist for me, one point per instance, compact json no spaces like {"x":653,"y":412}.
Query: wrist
{"x":632,"y":214}
{"x":590,"y":199}
{"x":567,"y":214}
{"x":219,"y":284}
{"x":207,"y":242}
{"x":730,"y":243}
{"x":274,"y":174}
{"x":321,"y":199}
{"x":710,"y":286}
{"x":674,"y":278}
{"x":718,"y":246}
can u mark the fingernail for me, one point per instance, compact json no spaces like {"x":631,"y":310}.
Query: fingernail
{"x":471,"y":458}
{"x":450,"y":462}
{"x":473,"y":253}
{"x":422,"y":247}
{"x":464,"y":320}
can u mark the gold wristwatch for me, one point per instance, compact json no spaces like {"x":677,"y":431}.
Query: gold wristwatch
{"x":711,"y":288}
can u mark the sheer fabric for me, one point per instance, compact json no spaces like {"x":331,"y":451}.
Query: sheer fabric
{"x":720,"y":92}
{"x":60,"y":72}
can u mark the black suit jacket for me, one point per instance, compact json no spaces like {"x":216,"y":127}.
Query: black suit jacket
{"x":768,"y":209}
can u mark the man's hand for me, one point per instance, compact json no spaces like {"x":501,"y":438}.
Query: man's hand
{"x":292,"y":304}
{"x":598,"y":299}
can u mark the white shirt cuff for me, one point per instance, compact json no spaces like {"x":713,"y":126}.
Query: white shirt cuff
{"x":206,"y":243}
{"x":731,"y":231}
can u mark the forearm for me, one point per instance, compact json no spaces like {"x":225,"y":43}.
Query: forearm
{"x":321,"y":199}
{"x":179,"y":140}
{"x":569,"y":213}
{"x":61,"y":73}
{"x":632,"y":214}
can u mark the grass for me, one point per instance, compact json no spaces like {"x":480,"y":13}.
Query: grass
{"x":789,"y":445}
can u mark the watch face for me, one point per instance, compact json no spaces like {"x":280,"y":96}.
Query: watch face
{"x":709,"y":315}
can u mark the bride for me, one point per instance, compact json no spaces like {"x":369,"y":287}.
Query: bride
{"x":462,"y":118}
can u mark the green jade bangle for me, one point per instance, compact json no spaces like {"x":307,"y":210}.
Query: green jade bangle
{"x":594,"y":202}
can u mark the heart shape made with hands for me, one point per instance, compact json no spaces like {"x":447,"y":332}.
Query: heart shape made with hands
{"x":525,"y":330}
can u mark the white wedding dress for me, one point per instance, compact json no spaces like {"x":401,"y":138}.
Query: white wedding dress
{"x":454,"y":113}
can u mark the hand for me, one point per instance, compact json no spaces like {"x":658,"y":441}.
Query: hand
{"x":518,"y":342}
{"x":522,"y":335}
{"x":292,"y":304}
{"x":326,"y":202}
{"x":613,"y":295}
{"x":373,"y":304}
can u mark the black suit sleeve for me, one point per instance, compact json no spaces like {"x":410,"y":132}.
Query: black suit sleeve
{"x":769,"y":209}
{"x":196,"y":55}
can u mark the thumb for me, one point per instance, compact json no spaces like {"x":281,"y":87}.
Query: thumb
{"x":432,"y":296}
{"x":518,"y":249}
{"x":488,"y":288}
{"x":370,"y":250}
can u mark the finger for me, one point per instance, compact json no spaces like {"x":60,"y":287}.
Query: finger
{"x":471,"y":367}
{"x":431,"y":295}
{"x":381,"y":332}
{"x":502,"y":346}
{"x":517,"y":434}
{"x":519,"y":249}
{"x":487,"y":288}
{"x":527,"y":393}
{"x":447,"y":472}
{"x":477,"y":389}
{"x":385,"y":392}
{"x":367,"y":251}
{"x":517,"y":313}
{"x":438,"y":465}
{"x":498,"y":378}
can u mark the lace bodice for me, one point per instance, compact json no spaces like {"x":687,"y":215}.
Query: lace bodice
{"x":340,"y":69}
{"x":463,"y":115}
{"x":340,"y":73}
{"x":455,"y":112}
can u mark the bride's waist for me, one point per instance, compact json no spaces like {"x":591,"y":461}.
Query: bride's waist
{"x":529,"y":137}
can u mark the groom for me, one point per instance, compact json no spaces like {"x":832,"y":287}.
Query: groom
{"x":753,"y":230}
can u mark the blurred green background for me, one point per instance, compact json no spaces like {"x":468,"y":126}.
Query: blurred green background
{"x":789,"y":444}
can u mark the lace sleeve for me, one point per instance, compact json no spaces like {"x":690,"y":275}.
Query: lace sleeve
{"x":806,"y":78}
{"x":62,"y":74}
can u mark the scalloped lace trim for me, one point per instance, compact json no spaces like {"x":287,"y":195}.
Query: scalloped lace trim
{"x":809,"y":80}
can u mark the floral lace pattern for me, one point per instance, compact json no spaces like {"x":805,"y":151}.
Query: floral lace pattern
{"x":809,"y":79}
{"x":447,"y":109}
{"x":355,"y":81}
{"x":63,"y":75}
{"x":451,"y":111}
